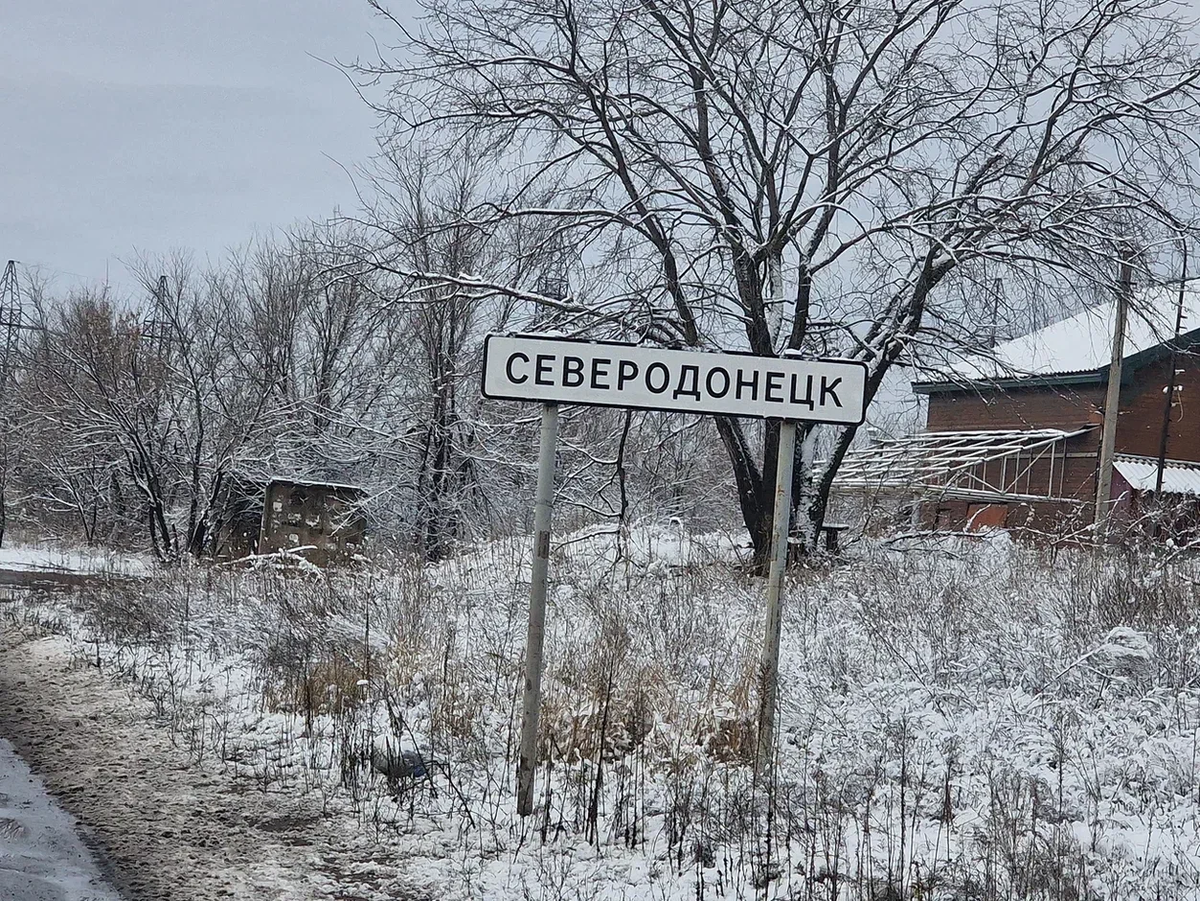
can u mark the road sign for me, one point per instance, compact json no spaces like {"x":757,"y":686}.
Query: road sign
{"x":553,"y":371}
{"x":566,"y":371}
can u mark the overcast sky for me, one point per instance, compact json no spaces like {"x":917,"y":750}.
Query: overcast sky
{"x":154,"y":125}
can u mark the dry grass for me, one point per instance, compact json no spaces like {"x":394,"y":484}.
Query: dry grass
{"x":649,"y":702}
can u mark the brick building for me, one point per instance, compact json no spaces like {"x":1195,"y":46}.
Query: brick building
{"x":1014,"y":440}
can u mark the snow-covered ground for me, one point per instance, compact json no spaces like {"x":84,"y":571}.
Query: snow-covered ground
{"x":41,"y":856}
{"x":57,"y":558}
{"x":172,"y":828}
{"x":957,"y":719}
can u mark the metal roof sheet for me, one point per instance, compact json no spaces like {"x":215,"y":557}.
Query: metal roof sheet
{"x":940,"y":459}
{"x":1179,"y":476}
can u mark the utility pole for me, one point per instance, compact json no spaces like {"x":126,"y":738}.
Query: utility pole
{"x":1112,"y":401}
{"x":1169,"y":402}
{"x":994,"y":338}
{"x":781,"y":527}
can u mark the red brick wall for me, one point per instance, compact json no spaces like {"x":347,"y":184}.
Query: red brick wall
{"x":1139,"y":430}
{"x":1024,"y":408}
{"x":1042,"y":517}
{"x":1068,"y":407}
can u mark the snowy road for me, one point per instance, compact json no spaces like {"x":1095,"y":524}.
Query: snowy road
{"x":41,"y":856}
{"x":172,"y":831}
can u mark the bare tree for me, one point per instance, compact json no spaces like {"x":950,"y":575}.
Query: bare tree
{"x":426,"y":216}
{"x":135,"y":408}
{"x":186,"y":325}
{"x":778,"y":175}
{"x":417,"y":229}
{"x":99,"y":391}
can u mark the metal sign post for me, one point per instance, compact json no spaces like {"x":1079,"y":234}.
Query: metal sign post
{"x":535,"y":637}
{"x":553,"y":370}
{"x":769,"y":672}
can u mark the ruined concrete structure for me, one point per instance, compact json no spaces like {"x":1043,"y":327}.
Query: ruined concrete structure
{"x":323,"y":521}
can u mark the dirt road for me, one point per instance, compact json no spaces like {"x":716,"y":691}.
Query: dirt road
{"x":164,"y":828}
{"x":41,"y":855}
{"x":170,"y":830}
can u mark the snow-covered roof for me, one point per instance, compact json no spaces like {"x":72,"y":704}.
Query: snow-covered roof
{"x":314,"y":483}
{"x":1083,"y":342}
{"x":1179,"y":476}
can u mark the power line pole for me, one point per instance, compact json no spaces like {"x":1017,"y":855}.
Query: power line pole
{"x":994,"y":338}
{"x":156,"y":328}
{"x":1112,"y":401}
{"x":1169,"y":402}
{"x":11,"y":315}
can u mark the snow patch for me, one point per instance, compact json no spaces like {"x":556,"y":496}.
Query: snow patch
{"x":41,"y":856}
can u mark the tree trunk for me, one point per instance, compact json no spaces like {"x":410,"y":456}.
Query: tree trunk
{"x":756,"y":492}
{"x":755,"y":484}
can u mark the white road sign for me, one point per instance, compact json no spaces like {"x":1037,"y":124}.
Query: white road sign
{"x":566,"y":371}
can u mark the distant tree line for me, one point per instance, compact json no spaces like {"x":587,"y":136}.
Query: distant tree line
{"x":131,"y":418}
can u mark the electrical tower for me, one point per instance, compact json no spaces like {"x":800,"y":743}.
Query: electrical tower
{"x":10,"y":330}
{"x":554,"y":282}
{"x":156,"y":328}
{"x":10,"y":321}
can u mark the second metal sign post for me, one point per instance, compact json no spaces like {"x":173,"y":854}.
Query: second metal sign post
{"x":554,"y":370}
